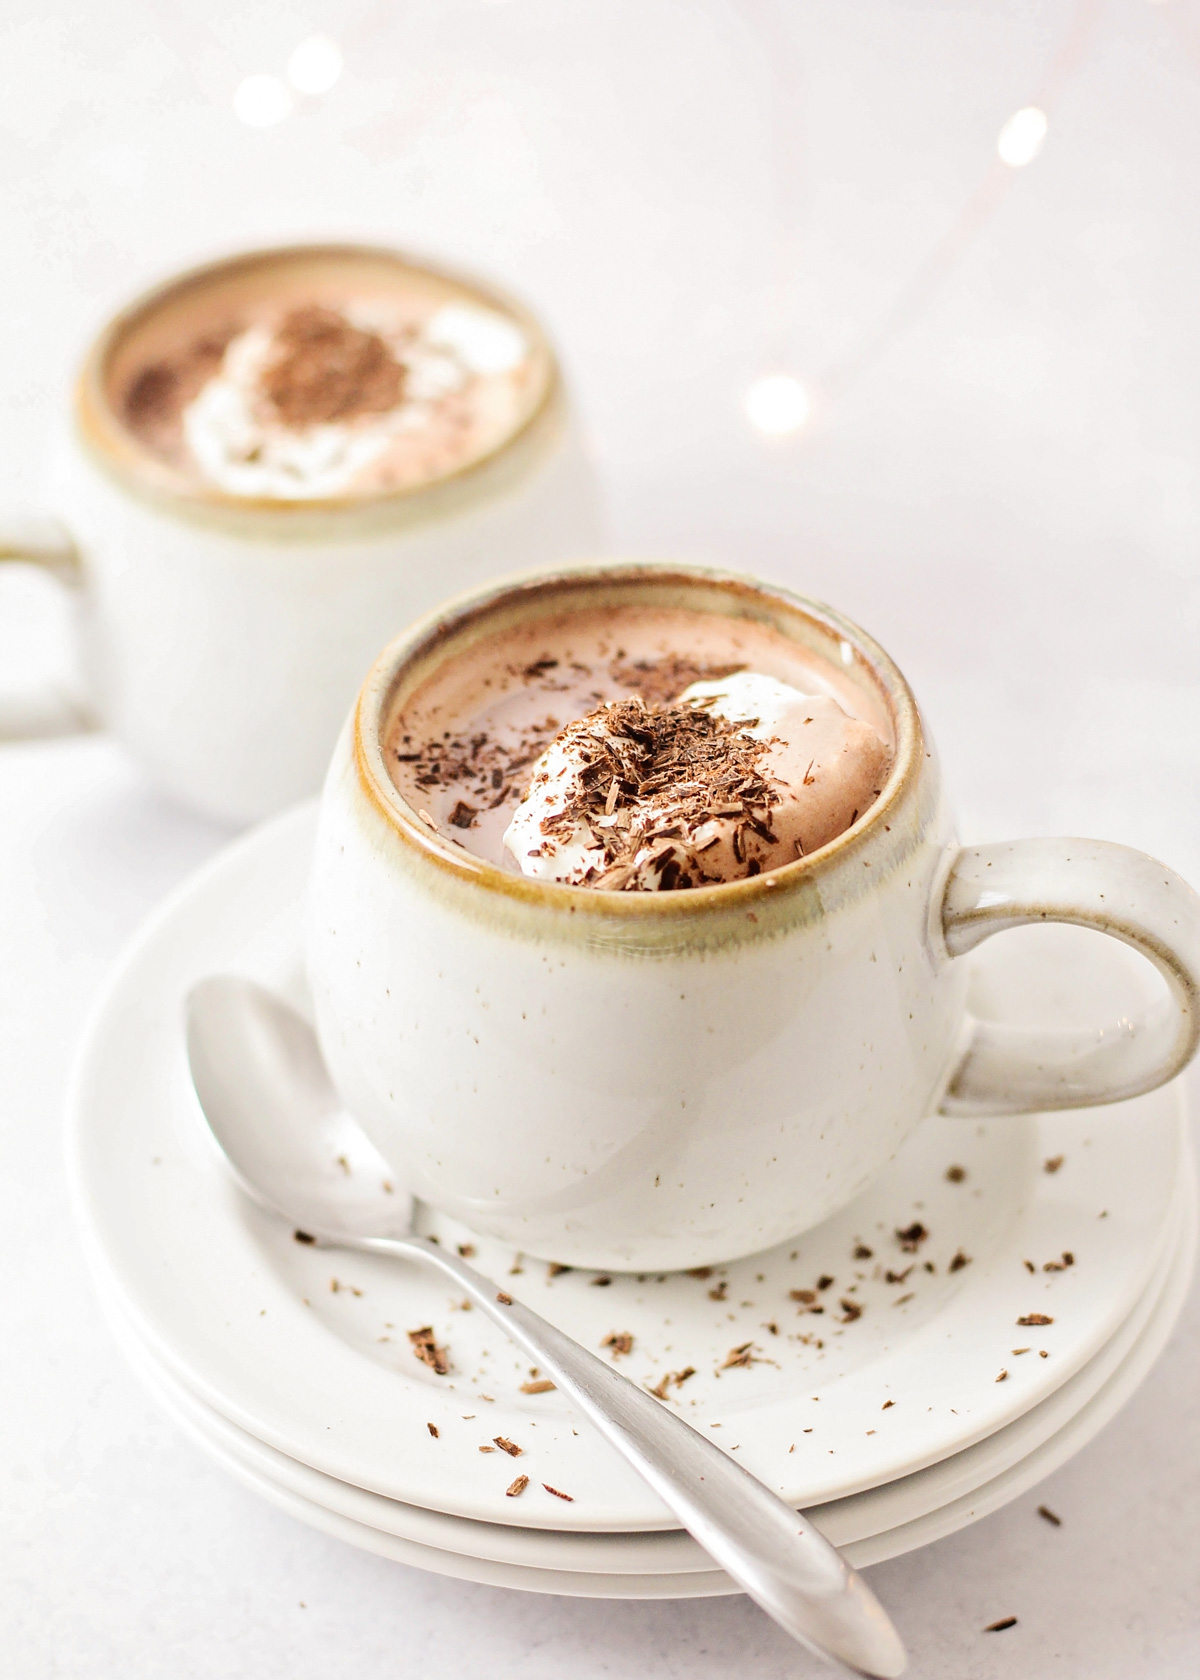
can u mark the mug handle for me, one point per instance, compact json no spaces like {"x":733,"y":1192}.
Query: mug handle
{"x":1094,"y":884}
{"x":51,"y":709}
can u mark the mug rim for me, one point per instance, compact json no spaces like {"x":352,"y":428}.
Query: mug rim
{"x":446,"y":623}
{"x":112,"y":447}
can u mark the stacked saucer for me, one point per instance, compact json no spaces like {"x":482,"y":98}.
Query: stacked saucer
{"x":923,"y":1357}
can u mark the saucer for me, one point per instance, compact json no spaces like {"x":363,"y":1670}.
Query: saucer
{"x":876,"y":1520}
{"x":648,"y":1565}
{"x":966,"y":1233}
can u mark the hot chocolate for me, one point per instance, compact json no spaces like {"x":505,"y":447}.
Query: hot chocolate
{"x":334,"y":373}
{"x":638,"y":750}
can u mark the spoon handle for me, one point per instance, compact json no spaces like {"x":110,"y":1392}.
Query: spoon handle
{"x":774,"y":1553}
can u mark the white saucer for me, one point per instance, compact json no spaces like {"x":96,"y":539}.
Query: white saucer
{"x":670,"y":1565}
{"x":246,"y":1318}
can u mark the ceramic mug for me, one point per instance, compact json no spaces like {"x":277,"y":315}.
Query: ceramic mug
{"x":660,"y":1080}
{"x":221,"y":637}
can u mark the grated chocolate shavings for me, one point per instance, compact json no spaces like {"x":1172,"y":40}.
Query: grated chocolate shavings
{"x":1052,"y":1163}
{"x":911,"y":1238}
{"x":956,"y":1174}
{"x":672,"y":1379}
{"x":427,"y":1350}
{"x":516,"y":1488}
{"x":1049,"y":1515}
{"x":620,"y":1342}
{"x":999,"y":1627}
{"x":959,"y":1261}
{"x":302,"y":1237}
{"x":1035,"y":1318}
{"x":543,"y":1385}
{"x":650,"y":781}
{"x":505,"y":1445}
{"x":569,"y":1497}
{"x":433,"y":1430}
{"x":741,"y":1355}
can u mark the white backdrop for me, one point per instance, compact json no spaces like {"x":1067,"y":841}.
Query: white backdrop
{"x":1008,"y":496}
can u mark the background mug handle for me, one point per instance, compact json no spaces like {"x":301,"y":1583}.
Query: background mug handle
{"x":53,"y":708}
{"x":1094,"y":884}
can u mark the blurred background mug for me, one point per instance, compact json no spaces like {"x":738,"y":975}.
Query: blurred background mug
{"x":276,"y":462}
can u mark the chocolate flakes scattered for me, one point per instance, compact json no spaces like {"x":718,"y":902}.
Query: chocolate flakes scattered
{"x":1049,"y":1515}
{"x":659,"y":682}
{"x":569,"y":1497}
{"x":433,"y":1430}
{"x":505,"y":1445}
{"x":911,"y":1238}
{"x":956,"y":1174}
{"x":672,"y":1379}
{"x":999,"y":1627}
{"x":619,"y":1341}
{"x":428,"y":1351}
{"x":959,"y":1261}
{"x":516,"y":1488}
{"x":741,"y":1355}
{"x":1035,"y":1318}
{"x":542,"y":1385}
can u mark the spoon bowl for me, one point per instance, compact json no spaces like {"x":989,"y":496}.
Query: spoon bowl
{"x":272,"y":1108}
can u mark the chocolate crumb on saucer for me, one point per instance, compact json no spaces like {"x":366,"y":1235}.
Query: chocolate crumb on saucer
{"x":999,"y":1627}
{"x":427,"y":1350}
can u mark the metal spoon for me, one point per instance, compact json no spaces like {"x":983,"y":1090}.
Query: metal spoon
{"x":268,"y":1099}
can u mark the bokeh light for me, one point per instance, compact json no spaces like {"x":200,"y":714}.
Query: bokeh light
{"x":262,"y":101}
{"x":1022,"y":137}
{"x":315,"y":65}
{"x":777,"y":404}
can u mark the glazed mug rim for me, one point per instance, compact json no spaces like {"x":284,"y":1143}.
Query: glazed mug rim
{"x":414,"y":654}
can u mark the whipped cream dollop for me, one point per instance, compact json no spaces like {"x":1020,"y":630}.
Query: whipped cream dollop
{"x":739,"y":776}
{"x":240,"y":443}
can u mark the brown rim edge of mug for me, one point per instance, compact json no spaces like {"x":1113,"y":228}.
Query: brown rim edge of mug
{"x":111,"y":446}
{"x":423,"y":639}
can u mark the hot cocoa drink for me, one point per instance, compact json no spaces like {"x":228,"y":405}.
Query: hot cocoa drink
{"x":333,"y":373}
{"x":638,"y":749}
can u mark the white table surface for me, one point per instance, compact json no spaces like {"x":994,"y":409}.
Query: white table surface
{"x":1009,"y":498}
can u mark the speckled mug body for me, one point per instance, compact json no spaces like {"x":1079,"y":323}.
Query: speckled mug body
{"x":638,"y":1081}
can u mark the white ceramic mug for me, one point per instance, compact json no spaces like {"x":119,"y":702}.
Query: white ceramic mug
{"x":223,"y":638}
{"x":655,"y":1080}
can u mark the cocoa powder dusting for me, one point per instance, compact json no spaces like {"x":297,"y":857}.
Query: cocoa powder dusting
{"x":324,"y":369}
